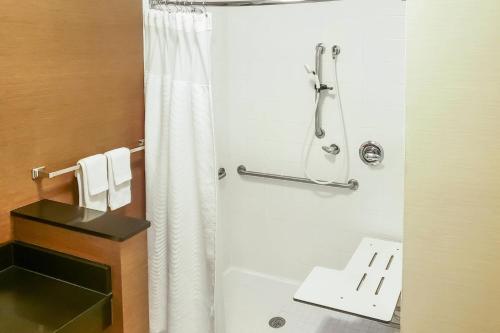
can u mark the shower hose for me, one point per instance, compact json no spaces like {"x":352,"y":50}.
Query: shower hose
{"x":308,"y":144}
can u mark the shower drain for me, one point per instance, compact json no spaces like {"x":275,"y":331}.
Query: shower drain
{"x":277,"y":322}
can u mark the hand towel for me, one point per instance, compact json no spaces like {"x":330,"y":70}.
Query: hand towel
{"x":119,"y":177}
{"x":93,"y":182}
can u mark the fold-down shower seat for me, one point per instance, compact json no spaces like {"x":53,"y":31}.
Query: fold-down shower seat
{"x":368,"y":287}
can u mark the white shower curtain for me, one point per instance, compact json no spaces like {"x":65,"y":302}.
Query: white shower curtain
{"x":180,"y":172}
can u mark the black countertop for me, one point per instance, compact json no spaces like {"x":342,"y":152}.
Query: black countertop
{"x":89,"y":221}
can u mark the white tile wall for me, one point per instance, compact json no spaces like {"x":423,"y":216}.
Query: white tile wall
{"x":264,"y":104}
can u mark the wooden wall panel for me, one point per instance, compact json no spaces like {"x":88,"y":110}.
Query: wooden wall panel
{"x":71,"y":85}
{"x":452,"y":218}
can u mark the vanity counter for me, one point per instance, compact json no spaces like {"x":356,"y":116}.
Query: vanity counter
{"x":84,"y":220}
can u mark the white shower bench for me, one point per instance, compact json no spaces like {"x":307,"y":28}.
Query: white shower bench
{"x":369,"y":286}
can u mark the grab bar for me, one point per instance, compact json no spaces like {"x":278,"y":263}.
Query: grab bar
{"x":221,"y":173}
{"x":352,"y":184}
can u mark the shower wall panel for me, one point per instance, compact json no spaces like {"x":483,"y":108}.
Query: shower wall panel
{"x":264,"y":103}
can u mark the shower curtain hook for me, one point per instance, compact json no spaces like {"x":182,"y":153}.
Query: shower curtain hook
{"x":170,"y":7}
{"x":205,"y":8}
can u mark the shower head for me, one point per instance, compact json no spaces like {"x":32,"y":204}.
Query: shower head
{"x":314,"y":76}
{"x":335,"y":51}
{"x":309,"y":70}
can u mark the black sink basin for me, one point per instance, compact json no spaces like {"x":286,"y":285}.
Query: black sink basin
{"x":44,"y":291}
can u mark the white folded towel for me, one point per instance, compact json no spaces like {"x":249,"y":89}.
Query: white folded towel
{"x":93,"y":182}
{"x":119,"y":177}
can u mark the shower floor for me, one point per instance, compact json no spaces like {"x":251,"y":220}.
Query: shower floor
{"x":252,"y":299}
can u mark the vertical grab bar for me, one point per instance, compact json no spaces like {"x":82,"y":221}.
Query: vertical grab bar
{"x":320,"y":49}
{"x":318,"y":130}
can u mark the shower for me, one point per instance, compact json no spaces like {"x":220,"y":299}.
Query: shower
{"x":287,"y":203}
{"x":322,"y":90}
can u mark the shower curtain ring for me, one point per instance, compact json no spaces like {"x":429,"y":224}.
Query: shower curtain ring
{"x":205,"y":8}
{"x":170,"y":7}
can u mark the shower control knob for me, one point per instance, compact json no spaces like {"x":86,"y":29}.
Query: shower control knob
{"x":322,"y":87}
{"x":331,"y":149}
{"x":371,"y":153}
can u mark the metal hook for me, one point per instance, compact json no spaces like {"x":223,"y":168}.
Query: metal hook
{"x":170,"y":7}
{"x":197,"y":9}
{"x":163,"y":5}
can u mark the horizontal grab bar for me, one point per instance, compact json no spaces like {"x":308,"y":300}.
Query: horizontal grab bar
{"x":352,"y":184}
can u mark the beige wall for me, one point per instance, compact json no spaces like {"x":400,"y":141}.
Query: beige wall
{"x":452,"y":222}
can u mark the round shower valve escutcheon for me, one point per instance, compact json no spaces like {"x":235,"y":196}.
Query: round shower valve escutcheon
{"x":371,"y":153}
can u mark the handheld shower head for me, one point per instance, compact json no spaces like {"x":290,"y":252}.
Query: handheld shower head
{"x":309,"y":70}
{"x":314,"y":76}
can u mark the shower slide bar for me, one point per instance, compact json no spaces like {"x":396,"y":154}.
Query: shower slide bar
{"x":40,"y":172}
{"x":235,"y":3}
{"x":352,"y":184}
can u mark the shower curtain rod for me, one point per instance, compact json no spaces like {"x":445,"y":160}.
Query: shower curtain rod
{"x":235,"y":3}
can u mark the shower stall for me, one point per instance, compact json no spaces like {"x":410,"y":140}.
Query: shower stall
{"x":281,"y":142}
{"x":272,"y":233}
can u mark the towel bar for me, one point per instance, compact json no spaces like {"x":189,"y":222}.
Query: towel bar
{"x":40,"y":172}
{"x":352,"y":184}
